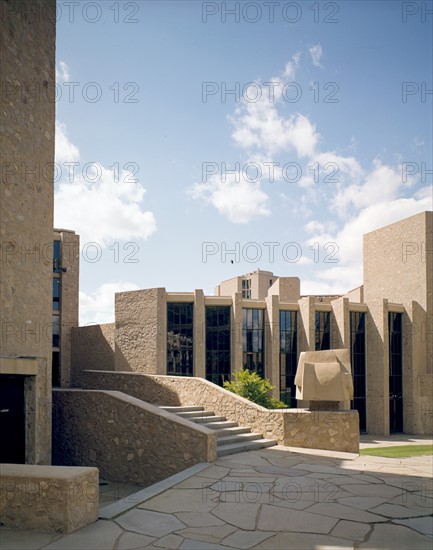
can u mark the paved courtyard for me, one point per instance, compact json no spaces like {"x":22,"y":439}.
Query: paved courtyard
{"x":276,"y":498}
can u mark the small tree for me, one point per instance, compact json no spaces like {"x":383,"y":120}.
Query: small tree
{"x":258,"y":390}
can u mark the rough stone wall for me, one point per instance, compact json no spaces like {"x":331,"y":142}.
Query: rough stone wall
{"x":288,"y":289}
{"x":140,"y":327}
{"x":27,"y":60}
{"x":340,"y":324}
{"x":128,"y":440}
{"x":398,"y":267}
{"x":92,"y":349}
{"x":377,"y":368}
{"x":330,"y":430}
{"x":396,"y":261}
{"x":45,"y":498}
{"x":294,"y":427}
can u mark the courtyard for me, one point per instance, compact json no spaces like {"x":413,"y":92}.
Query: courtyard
{"x":276,"y":498}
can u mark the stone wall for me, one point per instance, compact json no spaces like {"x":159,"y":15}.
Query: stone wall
{"x":140,"y":335}
{"x":398,"y":269}
{"x":128,"y":440}
{"x":48,"y":498}
{"x":332,"y":430}
{"x":27,"y":53}
{"x":92,"y":349}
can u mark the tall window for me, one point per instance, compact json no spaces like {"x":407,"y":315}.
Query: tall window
{"x":357,"y":360}
{"x":56,"y":256}
{"x":288,"y":356}
{"x":395,"y":372}
{"x":180,"y":339}
{"x":56,"y":293}
{"x":253,"y":340}
{"x":246,"y":288}
{"x":57,"y":273}
{"x":323,"y":330}
{"x":218,"y":344}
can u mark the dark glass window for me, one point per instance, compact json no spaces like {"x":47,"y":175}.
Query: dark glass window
{"x":288,"y":356}
{"x":180,"y":325}
{"x":56,"y":369}
{"x":323,"y":330}
{"x":218,"y":344}
{"x":395,"y":372}
{"x":253,"y":340}
{"x":56,"y":257}
{"x":357,"y":360}
{"x":56,"y":331}
{"x":56,"y":293}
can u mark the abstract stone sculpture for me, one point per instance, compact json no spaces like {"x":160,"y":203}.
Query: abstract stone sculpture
{"x":324,"y":376}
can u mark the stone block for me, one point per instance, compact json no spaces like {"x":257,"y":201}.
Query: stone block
{"x":58,"y":499}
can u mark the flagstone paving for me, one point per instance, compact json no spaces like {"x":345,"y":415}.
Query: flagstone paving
{"x":275,"y":498}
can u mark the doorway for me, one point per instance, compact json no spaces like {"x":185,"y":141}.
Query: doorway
{"x":12,"y":419}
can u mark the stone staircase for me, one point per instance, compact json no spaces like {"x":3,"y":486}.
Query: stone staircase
{"x":231,"y":438}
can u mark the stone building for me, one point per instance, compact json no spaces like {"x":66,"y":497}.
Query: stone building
{"x":66,"y":269}
{"x":262,"y":322}
{"x":27,"y":60}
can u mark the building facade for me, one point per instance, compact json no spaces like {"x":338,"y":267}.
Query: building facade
{"x":262,"y":322}
{"x":27,"y":58}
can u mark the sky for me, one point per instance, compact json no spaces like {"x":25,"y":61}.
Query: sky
{"x":198,"y":141}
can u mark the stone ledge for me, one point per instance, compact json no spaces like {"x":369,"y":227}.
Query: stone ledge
{"x":58,"y":499}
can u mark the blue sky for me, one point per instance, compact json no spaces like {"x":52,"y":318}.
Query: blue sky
{"x":144,"y":88}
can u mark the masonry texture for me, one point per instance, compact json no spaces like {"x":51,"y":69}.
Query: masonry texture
{"x":45,"y":498}
{"x":128,"y":440}
{"x":27,"y":59}
{"x":334,"y":430}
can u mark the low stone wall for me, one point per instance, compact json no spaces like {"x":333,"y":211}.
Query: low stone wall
{"x":128,"y":440}
{"x":48,"y":498}
{"x":330,"y":430}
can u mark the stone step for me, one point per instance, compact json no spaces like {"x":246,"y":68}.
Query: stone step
{"x":231,"y":438}
{"x":189,"y":415}
{"x":219,"y":425}
{"x":238,"y":438}
{"x":208,"y":419}
{"x":223,"y":432}
{"x":176,"y":410}
{"x":245,"y":446}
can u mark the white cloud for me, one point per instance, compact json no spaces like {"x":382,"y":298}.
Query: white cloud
{"x":291,"y":67}
{"x":316,"y":53}
{"x":98,"y":307}
{"x":65,"y":150}
{"x":347,"y":273}
{"x":62,"y":72}
{"x":259,"y":125}
{"x":380,"y":186}
{"x":240,"y":201}
{"x":337,"y":184}
{"x":93,"y":204}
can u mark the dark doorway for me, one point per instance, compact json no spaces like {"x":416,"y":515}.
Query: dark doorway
{"x":395,"y":372}
{"x":12,"y":419}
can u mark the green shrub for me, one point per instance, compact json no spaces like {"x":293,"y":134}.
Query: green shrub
{"x":249,"y":385}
